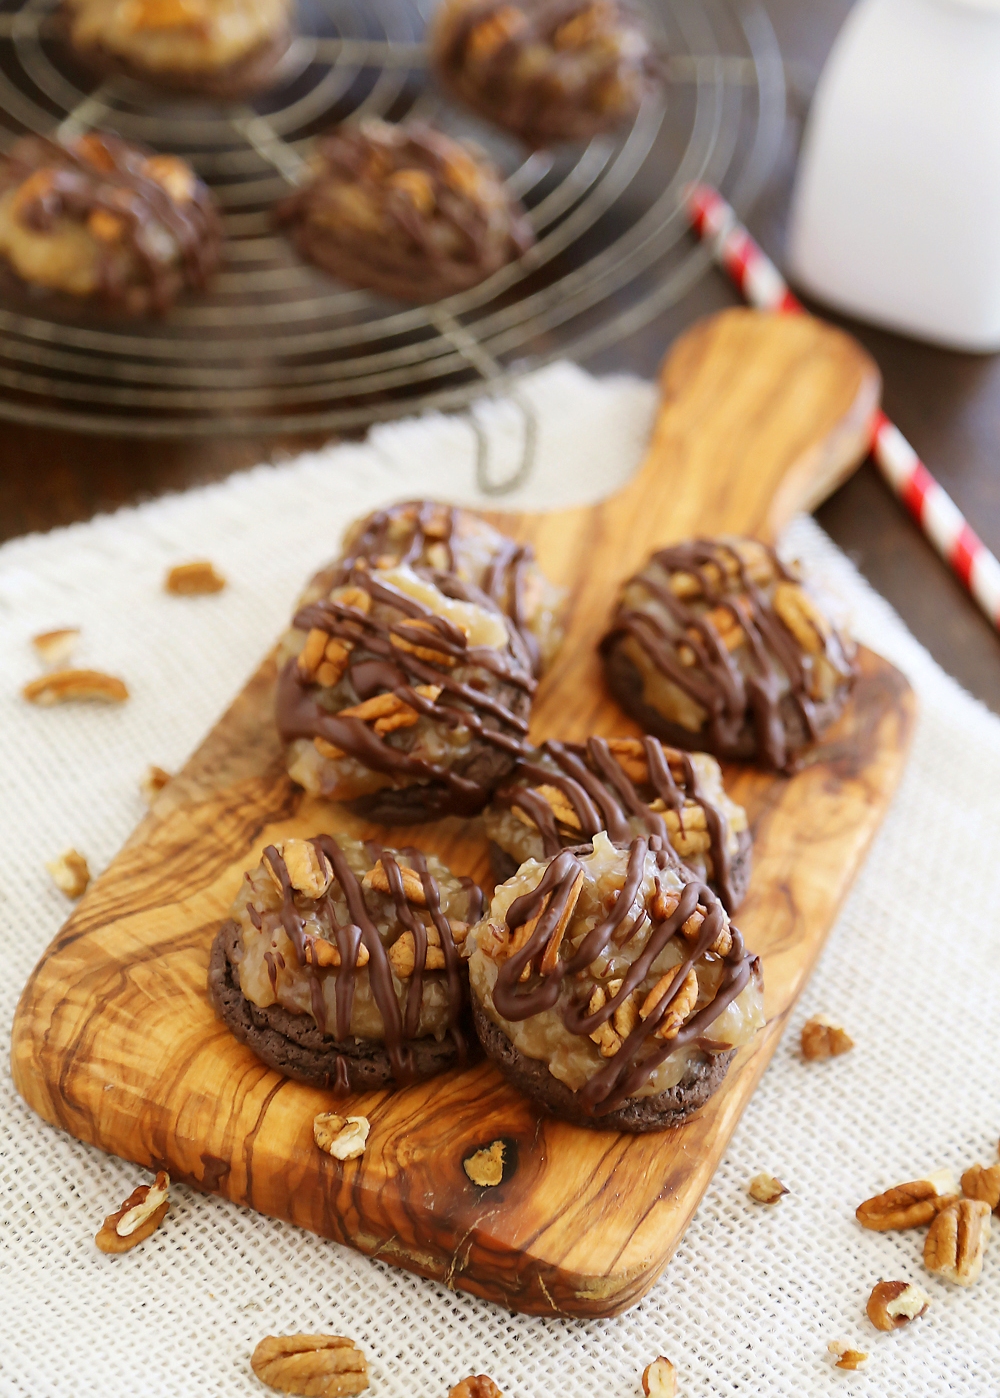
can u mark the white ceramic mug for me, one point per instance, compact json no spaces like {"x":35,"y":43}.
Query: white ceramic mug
{"x":896,"y":208}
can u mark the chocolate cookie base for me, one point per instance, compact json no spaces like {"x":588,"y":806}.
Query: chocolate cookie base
{"x":409,"y":279}
{"x":504,"y":866}
{"x":637,"y":1115}
{"x":251,"y":74}
{"x":293,"y":1045}
{"x":626,"y":685}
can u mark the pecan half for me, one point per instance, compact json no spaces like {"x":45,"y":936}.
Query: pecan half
{"x":630,"y":754}
{"x":894,"y":1304}
{"x":983,"y":1182}
{"x":908,"y":1205}
{"x":140,"y":1215}
{"x":318,"y":1366}
{"x":659,"y":1379}
{"x":70,"y":873}
{"x":343,"y":1137}
{"x":413,"y":888}
{"x":766,"y":1189}
{"x":822,"y":1038}
{"x":67,"y":686}
{"x":55,"y":647}
{"x":485,"y":1167}
{"x":956,"y":1241}
{"x":403,"y":954}
{"x":846,"y":1357}
{"x":309,"y":871}
{"x":192,"y":579}
{"x":476,"y":1386}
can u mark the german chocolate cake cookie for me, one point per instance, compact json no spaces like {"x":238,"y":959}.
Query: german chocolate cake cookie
{"x":340,"y":966}
{"x":403,"y":694}
{"x":405,"y":211}
{"x":564,"y":793}
{"x":610,"y":987}
{"x":547,"y":70}
{"x":717,"y":644}
{"x":106,"y":223}
{"x":217,"y":48}
{"x":437,"y":539}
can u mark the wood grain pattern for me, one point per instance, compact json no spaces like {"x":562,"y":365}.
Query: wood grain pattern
{"x":115,"y":1040}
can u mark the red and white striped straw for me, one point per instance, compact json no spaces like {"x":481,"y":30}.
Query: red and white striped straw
{"x":928,"y":502}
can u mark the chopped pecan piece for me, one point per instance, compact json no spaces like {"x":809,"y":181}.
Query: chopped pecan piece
{"x":55,"y":647}
{"x":846,"y":1357}
{"x":822,"y":1038}
{"x":140,"y":1215}
{"x":561,"y":806}
{"x":403,"y":954}
{"x":659,"y":1379}
{"x":327,"y":749}
{"x":894,"y":1304}
{"x":335,"y":657}
{"x":956,"y":1241}
{"x":355,"y":597}
{"x":309,"y":871}
{"x":908,"y":1205}
{"x":70,"y":873}
{"x":766,"y":1189}
{"x":152,"y":782}
{"x":434,"y":655}
{"x":801,"y":617}
{"x":65,"y":686}
{"x":682,"y":1006}
{"x":476,"y":1386}
{"x":604,"y":1036}
{"x":319,"y":1366}
{"x":983,"y":1182}
{"x":191,"y":579}
{"x":485,"y":1167}
{"x":343,"y":1137}
{"x":413,"y":888}
{"x":312,"y":653}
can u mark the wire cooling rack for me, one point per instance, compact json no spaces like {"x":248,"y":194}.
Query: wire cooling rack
{"x":277,"y":344}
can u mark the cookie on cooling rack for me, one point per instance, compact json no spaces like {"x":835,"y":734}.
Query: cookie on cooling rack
{"x":717,"y":644}
{"x":339,"y":964}
{"x":565,"y":793}
{"x":227,"y":49}
{"x":406,"y":211}
{"x":609,"y":986}
{"x":546,"y":70}
{"x":404,"y":694}
{"x":433,"y":538}
{"x":105,"y":223}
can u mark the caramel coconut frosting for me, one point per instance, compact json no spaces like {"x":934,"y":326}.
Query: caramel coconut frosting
{"x":717,"y":644}
{"x":611,"y":986}
{"x":406,"y":696}
{"x":565,"y":793}
{"x":340,"y":964}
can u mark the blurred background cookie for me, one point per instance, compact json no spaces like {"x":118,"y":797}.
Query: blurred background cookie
{"x":717,"y":644}
{"x":406,"y":211}
{"x":610,"y":987}
{"x":564,"y":793}
{"x":106,"y":222}
{"x":546,"y":70}
{"x":217,"y":48}
{"x":339,"y":964}
{"x":437,"y":538}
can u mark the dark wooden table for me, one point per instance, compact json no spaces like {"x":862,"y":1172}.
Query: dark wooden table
{"x":947,"y":404}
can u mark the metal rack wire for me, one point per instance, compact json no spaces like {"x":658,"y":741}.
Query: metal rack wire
{"x":278,"y":345}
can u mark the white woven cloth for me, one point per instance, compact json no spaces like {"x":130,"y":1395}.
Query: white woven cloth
{"x":753,"y":1294}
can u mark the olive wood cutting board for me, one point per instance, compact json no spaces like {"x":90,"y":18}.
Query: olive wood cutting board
{"x":115,"y":1040}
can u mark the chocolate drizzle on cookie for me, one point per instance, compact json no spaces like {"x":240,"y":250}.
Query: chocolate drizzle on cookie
{"x":400,"y":1026}
{"x":544,"y":911}
{"x":428,"y":533}
{"x":694,"y":656}
{"x":100,"y":174}
{"x":497,"y":718}
{"x":604,"y":797}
